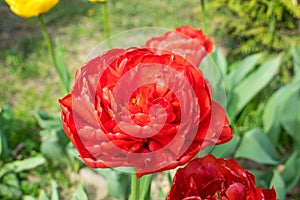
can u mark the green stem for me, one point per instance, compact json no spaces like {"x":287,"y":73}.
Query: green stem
{"x":48,"y":40}
{"x":105,"y":22}
{"x":135,"y":187}
{"x":52,"y":52}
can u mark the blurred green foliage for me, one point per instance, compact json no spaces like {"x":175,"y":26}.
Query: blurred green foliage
{"x":251,"y":26}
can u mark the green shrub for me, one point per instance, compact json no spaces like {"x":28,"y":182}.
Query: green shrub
{"x":251,"y":26}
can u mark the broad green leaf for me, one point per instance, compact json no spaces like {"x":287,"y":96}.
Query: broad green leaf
{"x":118,"y":182}
{"x":6,"y":114}
{"x":145,"y":186}
{"x":274,"y":110}
{"x":256,"y":146}
{"x":263,"y":178}
{"x":211,"y":67}
{"x":26,"y":164}
{"x":290,"y":115}
{"x":28,"y":197}
{"x":54,"y":191}
{"x":54,"y":144}
{"x":220,"y":60}
{"x":227,"y":149}
{"x":271,"y":118}
{"x":47,"y":121}
{"x":61,"y":66}
{"x":279,"y":185}
{"x":1,"y":142}
{"x":252,"y":85}
{"x":296,"y":59}
{"x":10,"y":186}
{"x":243,"y":68}
{"x":291,"y":173}
{"x":43,"y":195}
{"x":80,"y":194}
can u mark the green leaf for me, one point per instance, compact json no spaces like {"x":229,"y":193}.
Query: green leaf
{"x":256,"y":146}
{"x":145,"y":186}
{"x":118,"y":182}
{"x":26,"y":164}
{"x":252,"y":85}
{"x":213,"y":67}
{"x":54,"y":144}
{"x":80,"y":194}
{"x":54,"y":191}
{"x":10,"y":186}
{"x":271,"y":118}
{"x":279,"y":185}
{"x":290,"y":115}
{"x":291,"y":173}
{"x":220,"y":60}
{"x":1,"y":142}
{"x":263,"y":178}
{"x":43,"y":195}
{"x":47,"y":121}
{"x":274,"y":110}
{"x":61,"y":66}
{"x":6,"y":114}
{"x":227,"y":149}
{"x":28,"y":197}
{"x":243,"y":68}
{"x":296,"y":59}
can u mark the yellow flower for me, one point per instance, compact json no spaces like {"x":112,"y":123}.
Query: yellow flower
{"x":97,"y":0}
{"x":30,"y":8}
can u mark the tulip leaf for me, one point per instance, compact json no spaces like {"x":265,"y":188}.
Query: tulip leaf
{"x":290,"y":117}
{"x":243,"y":68}
{"x":219,"y":60}
{"x":252,"y":85}
{"x":291,"y":173}
{"x":54,"y":191}
{"x":227,"y":149}
{"x":214,"y":68}
{"x":274,"y":110}
{"x":61,"y":67}
{"x":279,"y":186}
{"x":47,"y":121}
{"x":26,"y":164}
{"x":54,"y":144}
{"x":28,"y":197}
{"x":43,"y":195}
{"x":80,"y":194}
{"x":145,"y":186}
{"x":118,"y":183}
{"x":256,"y":146}
{"x":10,"y":186}
{"x":1,"y":142}
{"x":296,"y":59}
{"x":262,"y":178}
{"x":271,"y":118}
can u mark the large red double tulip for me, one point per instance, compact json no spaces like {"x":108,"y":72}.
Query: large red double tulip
{"x":143,"y":109}
{"x":209,"y":178}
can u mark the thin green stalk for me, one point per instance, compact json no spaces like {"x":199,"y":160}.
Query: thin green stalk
{"x":50,"y":47}
{"x":135,"y":187}
{"x":105,"y":22}
{"x":48,"y":41}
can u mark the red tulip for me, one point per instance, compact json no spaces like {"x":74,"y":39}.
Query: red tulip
{"x":186,"y":41}
{"x":209,"y":178}
{"x":135,"y":108}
